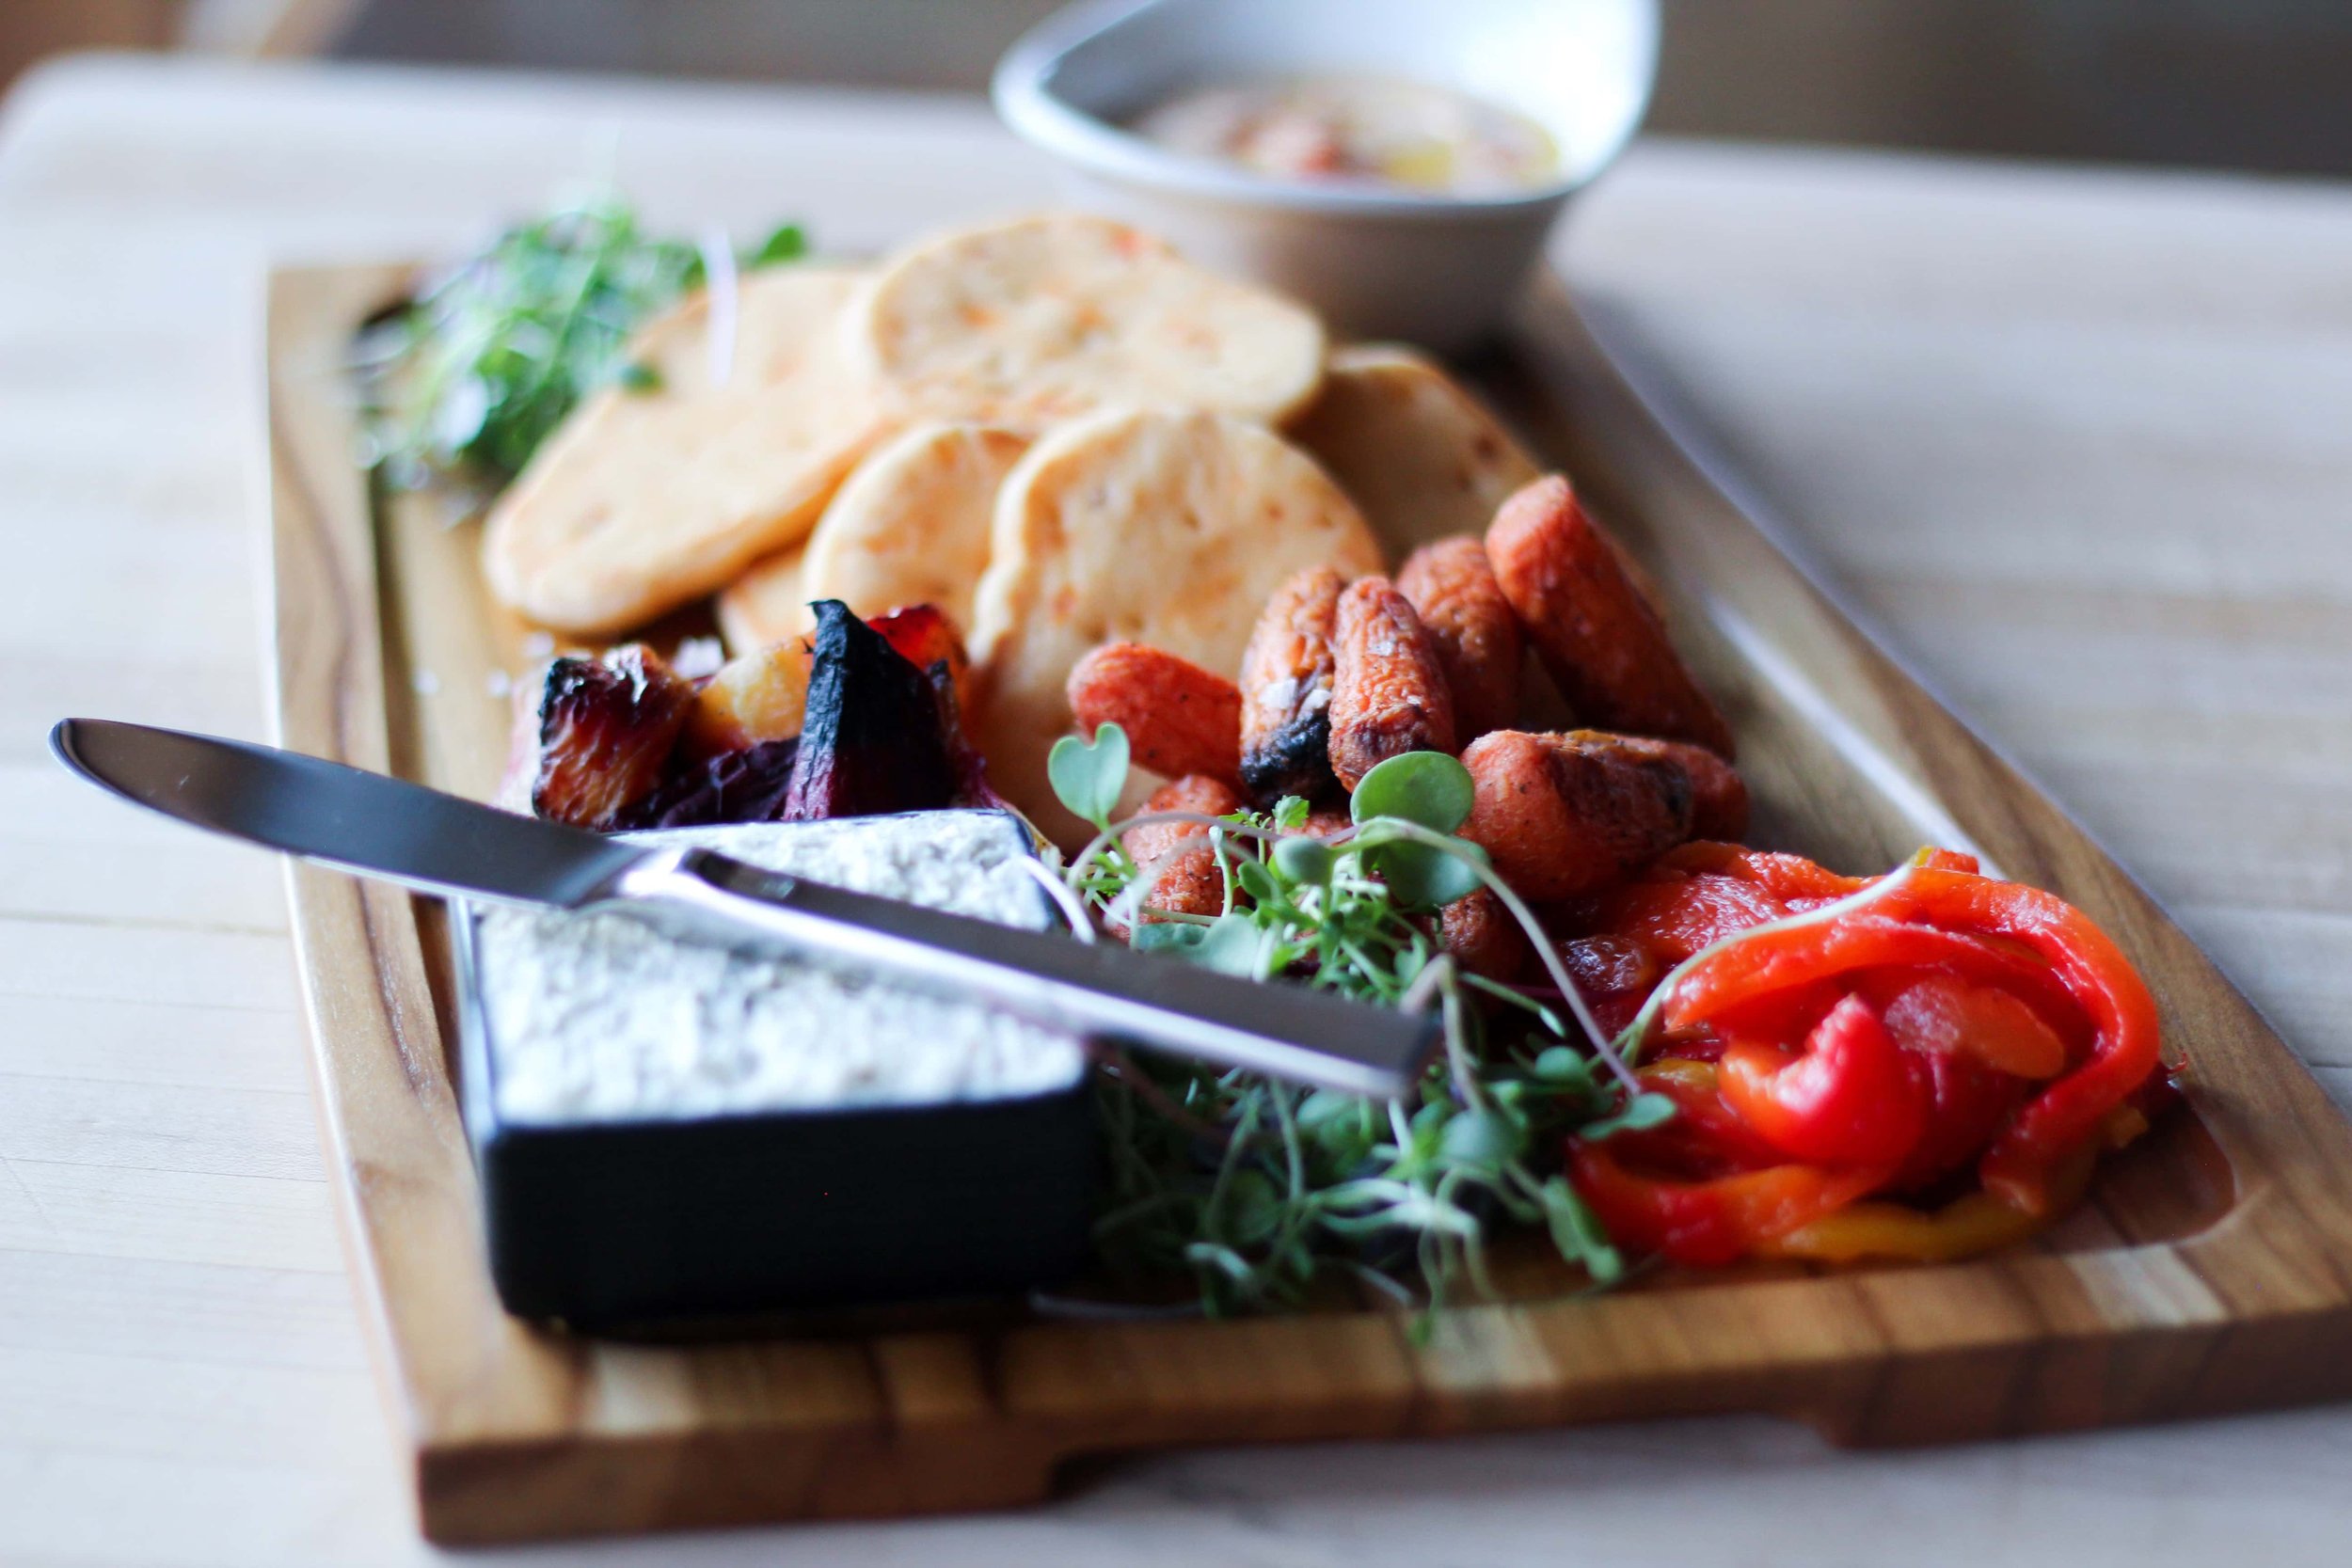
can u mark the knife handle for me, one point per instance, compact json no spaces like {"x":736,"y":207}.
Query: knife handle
{"x":1102,"y":990}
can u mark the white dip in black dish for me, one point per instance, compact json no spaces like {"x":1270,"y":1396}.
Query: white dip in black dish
{"x":669,"y":1131}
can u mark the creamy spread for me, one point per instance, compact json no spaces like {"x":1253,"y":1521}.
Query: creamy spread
{"x":1363,"y":128}
{"x":600,"y":1018}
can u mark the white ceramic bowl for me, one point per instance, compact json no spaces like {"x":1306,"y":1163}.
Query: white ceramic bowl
{"x":1379,"y":263}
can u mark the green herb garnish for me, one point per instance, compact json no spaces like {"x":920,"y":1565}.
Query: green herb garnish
{"x":490,"y":357}
{"x":787,"y":242}
{"x":1262,"y":1190}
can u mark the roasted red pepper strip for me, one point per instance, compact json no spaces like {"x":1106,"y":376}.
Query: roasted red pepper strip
{"x":1927,"y":1016}
{"x":1715,"y":1221}
{"x":1966,"y":1102}
{"x":1675,"y":917}
{"x":1868,"y":938}
{"x":1940,"y":1016}
{"x":2066,"y":1116}
{"x":1852,"y":1099}
{"x":1786,"y":876}
{"x":1779,"y":876}
{"x":1706,"y":1136}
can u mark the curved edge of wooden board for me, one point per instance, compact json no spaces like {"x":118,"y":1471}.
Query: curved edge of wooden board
{"x":2285,"y":1138}
{"x":519,"y":1433}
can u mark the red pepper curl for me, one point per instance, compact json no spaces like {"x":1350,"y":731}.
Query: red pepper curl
{"x":1953,"y":1018}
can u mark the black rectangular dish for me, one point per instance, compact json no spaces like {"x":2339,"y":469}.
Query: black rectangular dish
{"x":650,"y":1223}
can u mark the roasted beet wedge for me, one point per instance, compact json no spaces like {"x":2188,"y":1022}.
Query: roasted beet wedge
{"x":873,"y":740}
{"x":927,"y":638}
{"x":749,"y":785}
{"x":606,"y":728}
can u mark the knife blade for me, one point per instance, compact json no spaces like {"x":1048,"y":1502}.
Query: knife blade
{"x":440,"y":844}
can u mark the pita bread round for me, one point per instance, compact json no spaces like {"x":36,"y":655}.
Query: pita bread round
{"x":1043,"y":317}
{"x":910,"y":523}
{"x":1412,"y":446}
{"x":1164,"y":526}
{"x":765,"y":604}
{"x":646,"y":499}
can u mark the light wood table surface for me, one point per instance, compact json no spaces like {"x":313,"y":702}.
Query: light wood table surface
{"x":2082,"y":441}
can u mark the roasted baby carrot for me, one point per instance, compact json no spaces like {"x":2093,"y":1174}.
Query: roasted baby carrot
{"x":1286,"y":677}
{"x":1185,"y":880}
{"x":1193,"y":792}
{"x":1389,"y":692}
{"x":1563,"y":817}
{"x":1452,"y":587}
{"x":1179,"y":719}
{"x":1596,"y":632}
{"x":1483,"y":938}
{"x":1719,"y":796}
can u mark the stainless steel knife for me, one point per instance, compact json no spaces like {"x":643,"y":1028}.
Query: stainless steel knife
{"x":440,"y":844}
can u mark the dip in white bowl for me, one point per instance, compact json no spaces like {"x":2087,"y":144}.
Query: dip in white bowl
{"x":1377,"y":259}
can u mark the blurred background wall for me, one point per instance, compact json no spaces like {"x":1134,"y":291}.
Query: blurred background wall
{"x":2252,"y":83}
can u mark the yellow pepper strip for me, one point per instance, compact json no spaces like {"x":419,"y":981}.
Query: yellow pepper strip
{"x":1973,"y":1224}
{"x":1964,"y":1227}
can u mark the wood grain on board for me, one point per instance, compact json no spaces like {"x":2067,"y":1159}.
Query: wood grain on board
{"x":2186,"y":1291}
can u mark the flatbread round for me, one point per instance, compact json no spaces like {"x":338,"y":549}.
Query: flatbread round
{"x":1043,"y":317}
{"x":646,"y":499}
{"x":1163,"y":527}
{"x":1412,"y":446}
{"x":765,"y":604}
{"x":910,"y":523}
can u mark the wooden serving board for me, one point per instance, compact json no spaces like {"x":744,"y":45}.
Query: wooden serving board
{"x":2212,"y":1270}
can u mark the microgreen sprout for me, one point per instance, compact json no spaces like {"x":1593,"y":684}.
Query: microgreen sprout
{"x":1088,"y":775}
{"x":480,"y":368}
{"x":1267,"y":1191}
